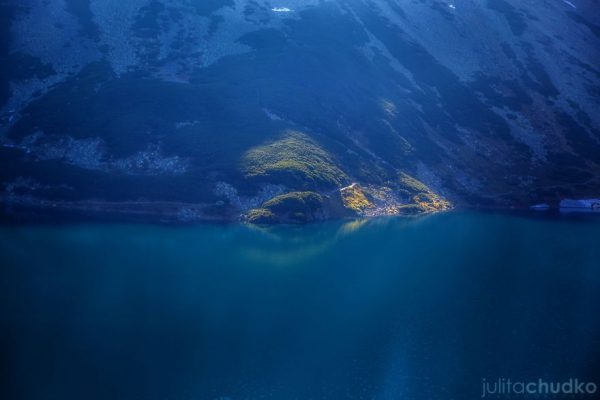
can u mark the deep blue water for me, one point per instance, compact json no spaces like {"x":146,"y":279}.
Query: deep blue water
{"x":381,"y":309}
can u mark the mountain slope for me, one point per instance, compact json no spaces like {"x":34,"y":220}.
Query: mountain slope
{"x":228,"y":104}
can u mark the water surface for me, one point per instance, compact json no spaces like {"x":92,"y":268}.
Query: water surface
{"x":380,"y":309}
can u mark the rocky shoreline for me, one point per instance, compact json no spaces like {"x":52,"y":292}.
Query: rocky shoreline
{"x":29,"y":209}
{"x":38,"y":211}
{"x":571,"y":205}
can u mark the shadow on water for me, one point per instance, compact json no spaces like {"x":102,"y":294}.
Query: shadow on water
{"x":383,"y":308}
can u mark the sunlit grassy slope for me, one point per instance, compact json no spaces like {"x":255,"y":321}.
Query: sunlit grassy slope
{"x":295,"y":159}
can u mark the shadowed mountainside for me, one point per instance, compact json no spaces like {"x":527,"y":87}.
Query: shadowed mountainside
{"x":237,"y":107}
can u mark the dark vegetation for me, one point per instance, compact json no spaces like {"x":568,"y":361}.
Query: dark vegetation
{"x":294,"y":207}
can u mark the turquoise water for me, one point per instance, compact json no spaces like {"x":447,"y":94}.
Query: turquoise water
{"x":381,"y":309}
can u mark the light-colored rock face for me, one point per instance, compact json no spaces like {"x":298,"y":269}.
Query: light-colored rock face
{"x":470,"y":38}
{"x":476,"y":98}
{"x":58,"y":34}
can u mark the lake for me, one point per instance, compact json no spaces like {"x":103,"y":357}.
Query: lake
{"x":389,"y":308}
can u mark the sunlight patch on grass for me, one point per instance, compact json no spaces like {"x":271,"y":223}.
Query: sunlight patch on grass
{"x":295,"y":160}
{"x":354,"y":198}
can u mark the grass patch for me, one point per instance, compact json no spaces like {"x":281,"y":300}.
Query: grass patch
{"x":293,"y":207}
{"x":354,"y":198}
{"x":261,"y":216}
{"x":296,"y":201}
{"x":412,"y":185}
{"x":295,"y":160}
{"x":421,"y":196}
{"x":430,"y":202}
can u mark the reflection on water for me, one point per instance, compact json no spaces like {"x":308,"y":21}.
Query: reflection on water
{"x":384,"y":309}
{"x":293,"y":245}
{"x":296,"y":244}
